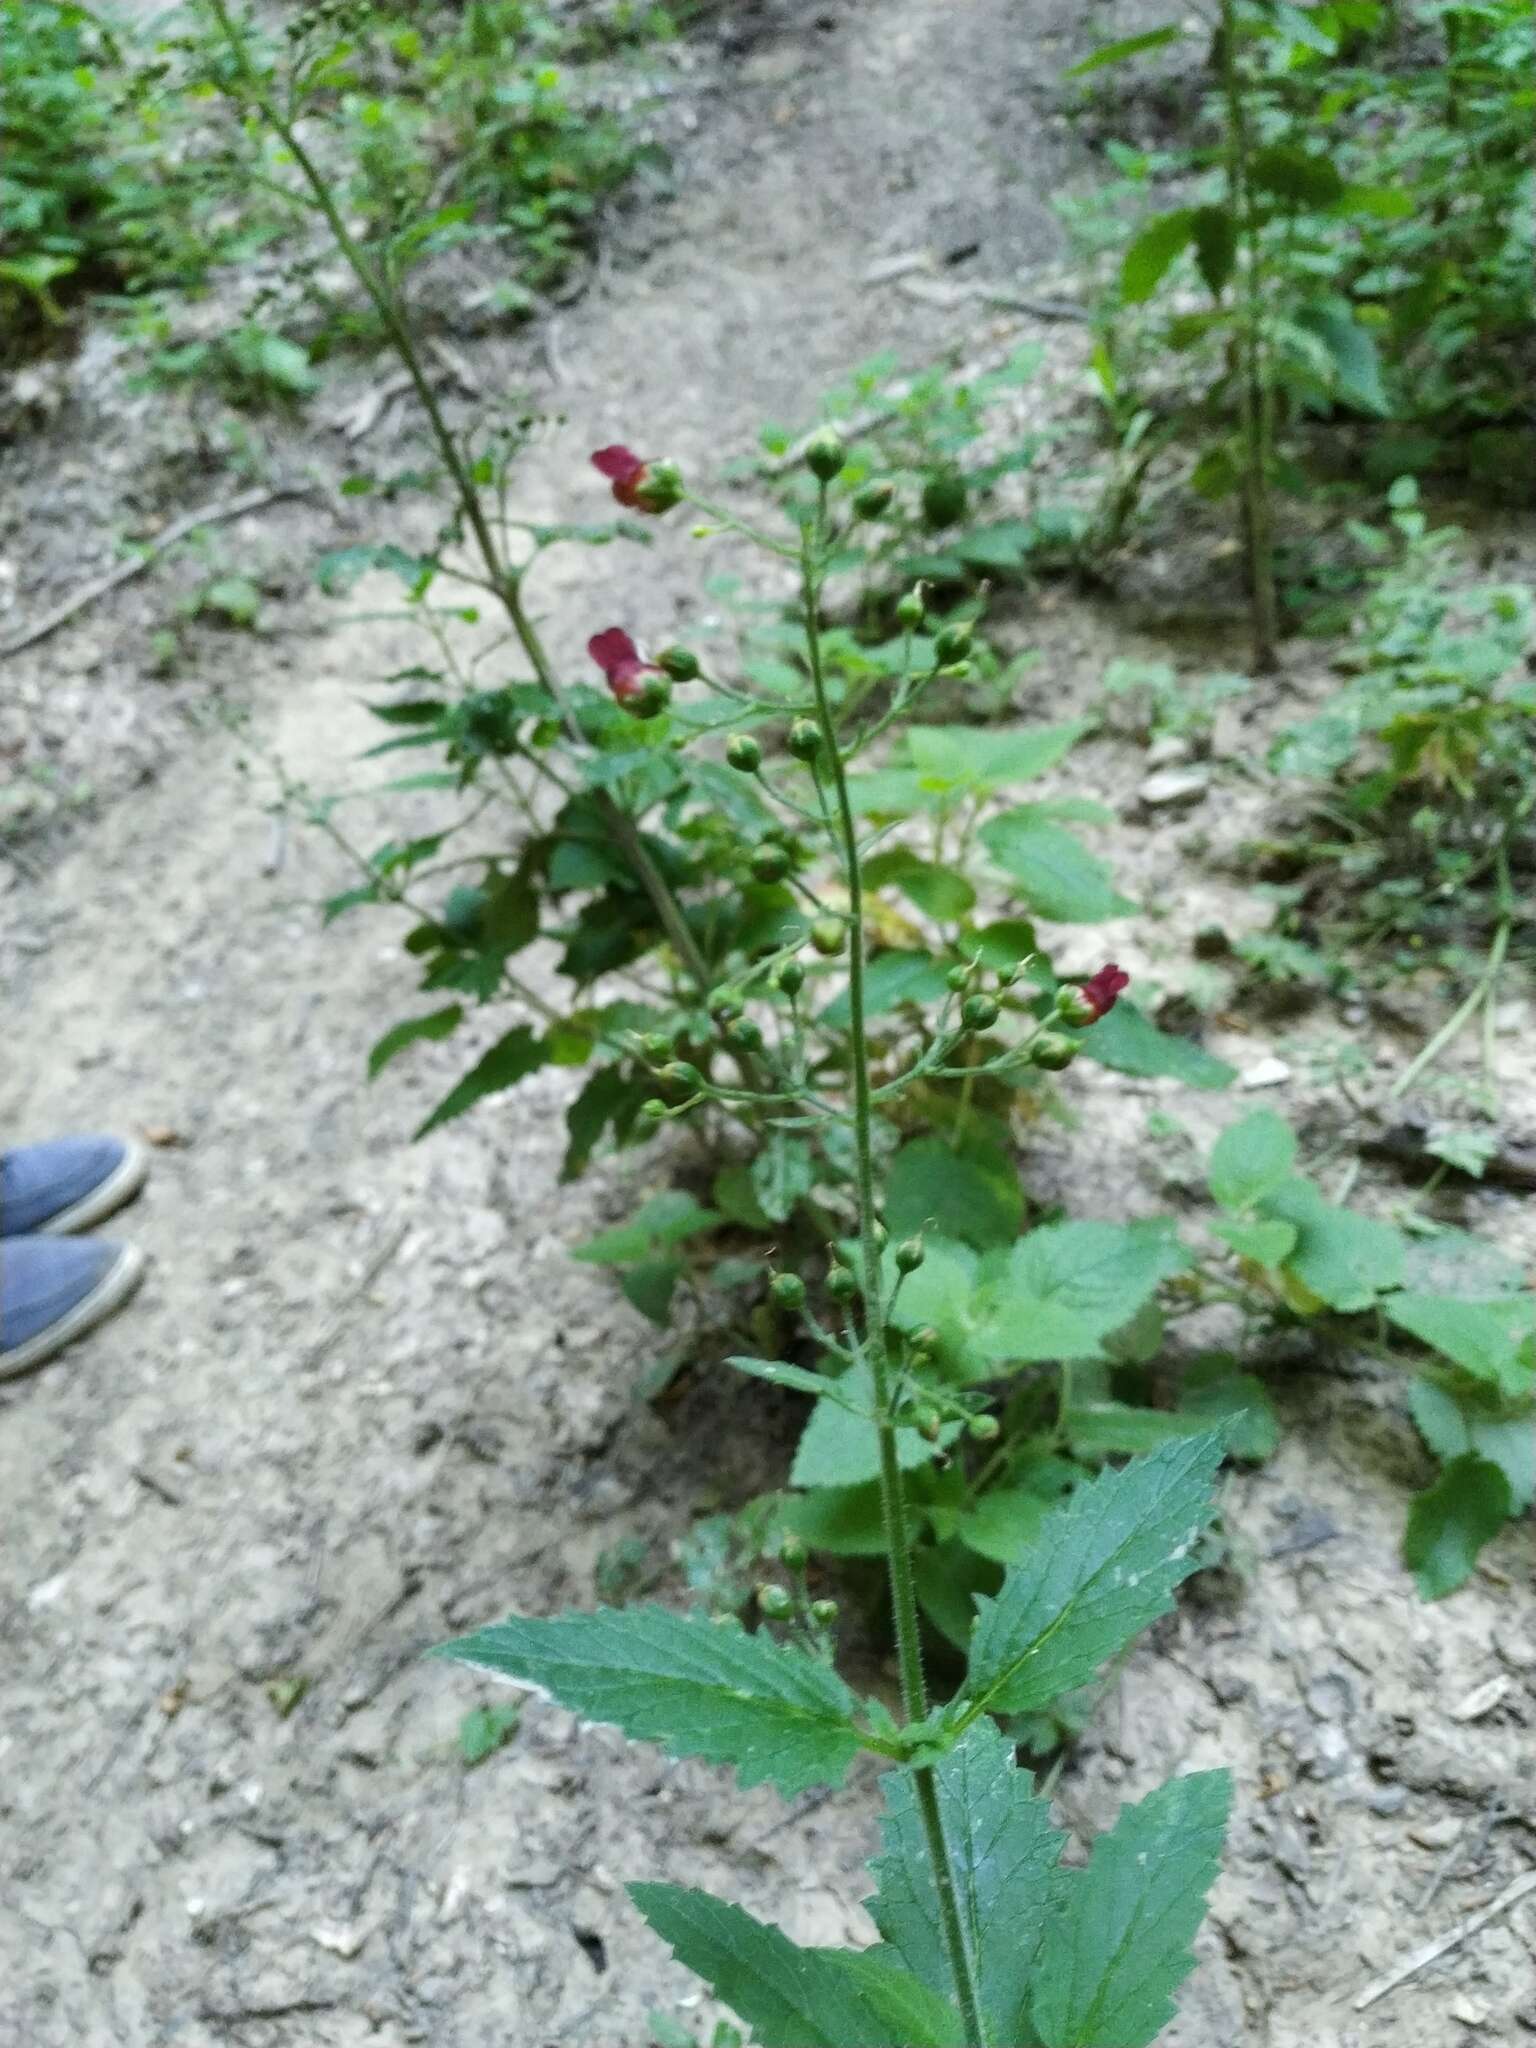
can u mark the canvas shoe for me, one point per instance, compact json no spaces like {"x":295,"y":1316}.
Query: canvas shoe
{"x":54,"y":1289}
{"x":67,"y":1184}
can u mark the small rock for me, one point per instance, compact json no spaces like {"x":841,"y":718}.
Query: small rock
{"x":1436,"y":1834}
{"x":1470,"y":2011}
{"x":1174,"y":789}
{"x":1387,"y":1799}
{"x":1167,"y":751}
{"x":1266,"y":1073}
{"x":1482,"y":1699}
{"x":1518,"y":1652}
{"x":341,"y":1941}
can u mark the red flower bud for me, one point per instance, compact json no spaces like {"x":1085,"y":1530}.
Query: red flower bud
{"x":619,"y":659}
{"x":1098,"y":995}
{"x":638,"y":485}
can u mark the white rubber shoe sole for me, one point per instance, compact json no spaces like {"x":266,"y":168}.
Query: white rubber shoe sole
{"x":109,"y":1293}
{"x":108,"y":1196}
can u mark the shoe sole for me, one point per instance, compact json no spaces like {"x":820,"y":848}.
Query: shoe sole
{"x":109,"y":1293}
{"x":108,"y":1196}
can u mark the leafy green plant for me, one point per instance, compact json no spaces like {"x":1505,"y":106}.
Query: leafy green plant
{"x":1309,"y":216}
{"x":1426,"y":772}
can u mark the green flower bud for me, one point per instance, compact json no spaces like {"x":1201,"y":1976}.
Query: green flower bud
{"x":959,"y":979}
{"x":880,"y":1234}
{"x":928,"y":1424}
{"x":1007,"y":976}
{"x":653,"y":1110}
{"x":829,"y":935}
{"x":657,"y":1046}
{"x":661,"y":489}
{"x":979,"y":1013}
{"x":743,"y":753}
{"x":787,"y":1290}
{"x":874,"y":499}
{"x":725,"y":1002}
{"x":775,"y":1603}
{"x":651,"y":699}
{"x":792,"y":1552}
{"x":680,"y":663}
{"x":804,"y":739}
{"x":791,"y":977}
{"x":769,"y":863}
{"x":944,"y":498}
{"x":984,"y":1429}
{"x":909,"y":610}
{"x":823,"y":1612}
{"x":746,"y":1034}
{"x":682,"y":1075}
{"x":909,"y":1255}
{"x":841,"y":1284}
{"x":1053,"y":1051}
{"x":825,"y":454}
{"x":925,"y":1339}
{"x":955,"y":671}
{"x":951,"y":643}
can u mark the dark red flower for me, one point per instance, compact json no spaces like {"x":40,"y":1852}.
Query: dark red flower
{"x":624,"y":470}
{"x":619,"y":659}
{"x":1101,"y":991}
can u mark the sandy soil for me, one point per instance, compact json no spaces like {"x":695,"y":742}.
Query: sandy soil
{"x":366,"y":1399}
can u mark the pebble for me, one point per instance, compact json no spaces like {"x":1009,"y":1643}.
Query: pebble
{"x":1166,"y":751}
{"x":1174,"y":789}
{"x":1387,"y":1799}
{"x":1436,"y":1834}
{"x":1266,"y":1073}
{"x":1482,"y":1699}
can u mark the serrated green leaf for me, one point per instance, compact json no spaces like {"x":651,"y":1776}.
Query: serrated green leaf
{"x":1067,"y":1286}
{"x":1346,"y":1260}
{"x":1004,"y":1525}
{"x":1215,"y":234}
{"x":1003,"y":1852}
{"x":939,"y":892}
{"x":650,"y":1285}
{"x":513,"y":1057}
{"x":839,"y":1446}
{"x":1118,"y":1943}
{"x":943,"y":1293}
{"x":667,"y":1219}
{"x":973,"y":1195}
{"x":1267,"y":1244}
{"x":1106,"y":1565}
{"x":1163,"y":239}
{"x":783,"y":1173}
{"x":1129,"y":1042}
{"x":1493,"y":1340}
{"x":1214,"y":1394}
{"x":800,"y":1380}
{"x":1056,"y":874}
{"x":846,"y":1521}
{"x":436,"y":1024}
{"x":982,"y":759}
{"x":608,"y":1098}
{"x":793,"y":1997}
{"x":1299,"y":177}
{"x":1453,"y":1424}
{"x":1252,"y":1158}
{"x":699,"y":1687}
{"x":1356,"y":362}
{"x":1449,"y":1523}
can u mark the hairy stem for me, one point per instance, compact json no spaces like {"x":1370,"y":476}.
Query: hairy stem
{"x":893,"y":1503}
{"x":503,"y":577}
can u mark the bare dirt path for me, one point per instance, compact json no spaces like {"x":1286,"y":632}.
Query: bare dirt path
{"x":366,"y":1399}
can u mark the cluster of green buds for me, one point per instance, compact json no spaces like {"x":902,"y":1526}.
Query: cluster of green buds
{"x":794,"y":1604}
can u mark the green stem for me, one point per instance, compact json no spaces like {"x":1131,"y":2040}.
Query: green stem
{"x":893,"y":1504}
{"x":1255,"y":417}
{"x":503,"y":577}
{"x":1462,"y":1015}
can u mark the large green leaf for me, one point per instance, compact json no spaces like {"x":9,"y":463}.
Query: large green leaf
{"x":1118,"y":1943}
{"x":1449,"y":1523}
{"x":978,"y":759}
{"x":793,"y":1997}
{"x":1128,"y":46}
{"x":974,"y":1194}
{"x":699,"y":1687}
{"x":1302,"y":178}
{"x":1129,"y":1042}
{"x":1056,"y":874}
{"x":943,"y":1294}
{"x":939,"y":892}
{"x":1067,"y":1286}
{"x":840,"y":1446}
{"x":1106,"y":1565}
{"x":510,"y":1060}
{"x":1356,"y":363}
{"x":1493,"y":1340}
{"x":1003,"y":1852}
{"x":1164,"y":238}
{"x":667,"y":1219}
{"x":1251,"y":1159}
{"x":1452,"y":1425}
{"x":1346,"y":1260}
